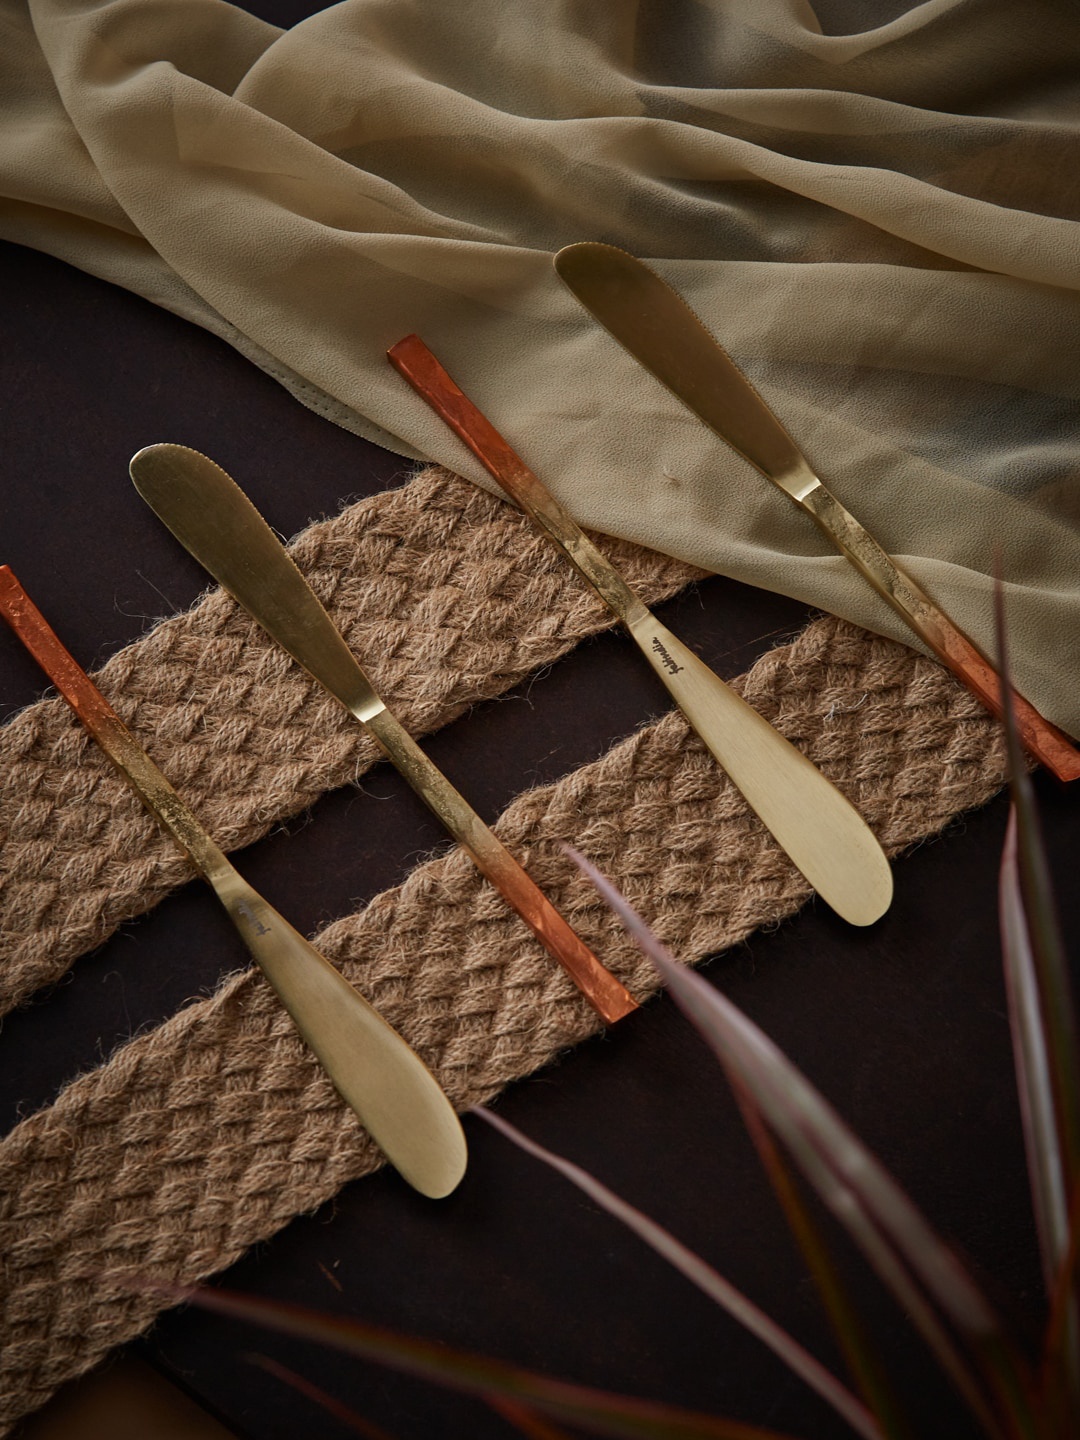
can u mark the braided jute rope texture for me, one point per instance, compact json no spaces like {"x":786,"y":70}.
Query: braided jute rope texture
{"x":448,"y":595}
{"x":205,"y":1136}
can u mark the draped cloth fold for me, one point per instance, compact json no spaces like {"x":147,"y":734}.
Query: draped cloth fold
{"x":881,"y":226}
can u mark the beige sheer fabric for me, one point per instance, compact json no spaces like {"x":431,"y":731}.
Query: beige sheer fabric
{"x":882,"y":226}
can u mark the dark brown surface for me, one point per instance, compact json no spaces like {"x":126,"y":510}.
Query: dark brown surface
{"x":124,"y":1399}
{"x":903,"y":1026}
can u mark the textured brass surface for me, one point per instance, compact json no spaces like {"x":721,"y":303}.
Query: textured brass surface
{"x":660,"y":330}
{"x":821,"y":832}
{"x":388,"y":1086}
{"x":212,"y":517}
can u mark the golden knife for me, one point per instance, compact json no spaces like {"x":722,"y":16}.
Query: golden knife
{"x":660,"y":330}
{"x":389,"y":1087}
{"x":820,"y":830}
{"x":212,"y":517}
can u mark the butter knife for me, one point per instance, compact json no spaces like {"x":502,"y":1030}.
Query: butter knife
{"x":212,"y":517}
{"x":818,"y":828}
{"x":388,"y":1086}
{"x":660,"y":330}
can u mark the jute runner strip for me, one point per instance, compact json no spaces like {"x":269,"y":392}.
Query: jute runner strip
{"x":205,"y":1136}
{"x":446,"y":594}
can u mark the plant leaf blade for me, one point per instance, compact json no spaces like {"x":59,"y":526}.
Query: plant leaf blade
{"x":599,"y":1412}
{"x":707,"y":1279}
{"x":922,"y":1271}
{"x":1046,"y":1162}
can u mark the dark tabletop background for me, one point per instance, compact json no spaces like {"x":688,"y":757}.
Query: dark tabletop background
{"x":903,"y":1026}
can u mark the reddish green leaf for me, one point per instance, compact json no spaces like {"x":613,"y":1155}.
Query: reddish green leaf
{"x":1044,"y":1154}
{"x":534,"y":1426}
{"x":705,"y":1278}
{"x":864,"y":1363}
{"x":320,"y":1397}
{"x":922,"y":1271}
{"x":596,"y":1411}
{"x":1058,"y":1004}
{"x":1047,"y":1050}
{"x":531,"y":1425}
{"x":1058,"y":1383}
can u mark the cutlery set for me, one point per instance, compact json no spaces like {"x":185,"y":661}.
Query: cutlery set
{"x":375,"y":1071}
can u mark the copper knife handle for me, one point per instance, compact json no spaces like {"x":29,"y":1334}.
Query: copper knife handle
{"x":414,"y":362}
{"x":607,"y":995}
{"x":960,"y":654}
{"x":412,"y":359}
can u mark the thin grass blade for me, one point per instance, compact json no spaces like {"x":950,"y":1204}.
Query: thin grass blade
{"x":598,"y":1412}
{"x":1058,"y":1402}
{"x":322,"y":1398}
{"x":1053,"y":1044}
{"x":833,"y":1183}
{"x":531,"y":1425}
{"x":701,"y":1274}
{"x":1057,"y":1001}
{"x":864,"y":1364}
{"x":1046,"y":1168}
{"x":922,"y":1271}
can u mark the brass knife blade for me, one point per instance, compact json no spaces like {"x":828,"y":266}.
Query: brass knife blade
{"x":655,"y":324}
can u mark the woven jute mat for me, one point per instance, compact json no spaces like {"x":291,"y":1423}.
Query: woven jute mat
{"x":205,"y":1136}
